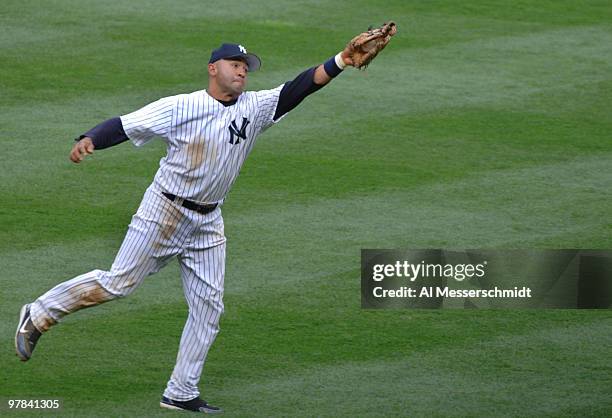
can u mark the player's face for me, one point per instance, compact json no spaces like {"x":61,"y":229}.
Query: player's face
{"x":232,"y":76}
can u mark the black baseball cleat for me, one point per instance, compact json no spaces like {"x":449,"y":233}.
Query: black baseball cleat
{"x":194,"y":405}
{"x":27,"y":335}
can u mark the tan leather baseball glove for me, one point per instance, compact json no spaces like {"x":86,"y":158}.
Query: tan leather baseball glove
{"x":363,"y":48}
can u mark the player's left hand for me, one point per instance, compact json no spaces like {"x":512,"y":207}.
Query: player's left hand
{"x":81,"y":149}
{"x":363,"y":48}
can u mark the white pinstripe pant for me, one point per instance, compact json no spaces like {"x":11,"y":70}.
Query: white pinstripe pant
{"x":159,"y":231}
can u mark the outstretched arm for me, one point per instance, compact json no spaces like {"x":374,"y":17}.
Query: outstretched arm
{"x":309,"y":81}
{"x":359,"y":52}
{"x":331,"y":68}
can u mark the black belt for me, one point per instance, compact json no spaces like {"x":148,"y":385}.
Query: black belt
{"x":203,"y":209}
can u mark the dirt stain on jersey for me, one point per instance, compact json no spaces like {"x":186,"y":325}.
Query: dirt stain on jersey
{"x":196,"y":151}
{"x":199,"y":152}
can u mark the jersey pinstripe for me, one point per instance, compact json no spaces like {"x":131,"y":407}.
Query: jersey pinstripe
{"x":203,"y":156}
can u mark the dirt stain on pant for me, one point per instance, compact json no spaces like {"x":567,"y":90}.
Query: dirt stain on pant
{"x":85,"y":295}
{"x":168,"y":224}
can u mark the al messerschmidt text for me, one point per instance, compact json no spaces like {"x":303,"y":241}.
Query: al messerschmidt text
{"x":430,"y":291}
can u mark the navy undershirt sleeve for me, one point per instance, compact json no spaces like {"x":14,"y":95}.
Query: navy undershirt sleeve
{"x":106,"y":134}
{"x":296,"y":90}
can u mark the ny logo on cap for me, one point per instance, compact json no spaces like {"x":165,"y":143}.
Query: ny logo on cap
{"x":242,"y":49}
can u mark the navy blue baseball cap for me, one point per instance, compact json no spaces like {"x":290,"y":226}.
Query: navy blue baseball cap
{"x":229,"y":51}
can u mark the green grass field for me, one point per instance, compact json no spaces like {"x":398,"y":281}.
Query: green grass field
{"x":484,"y":124}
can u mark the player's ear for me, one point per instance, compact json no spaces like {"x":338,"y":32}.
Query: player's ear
{"x":212,"y":69}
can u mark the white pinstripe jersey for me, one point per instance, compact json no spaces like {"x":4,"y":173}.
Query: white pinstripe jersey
{"x":207,"y":142}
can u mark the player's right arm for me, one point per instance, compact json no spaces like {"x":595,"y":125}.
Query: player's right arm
{"x":104,"y":135}
{"x":140,"y":126}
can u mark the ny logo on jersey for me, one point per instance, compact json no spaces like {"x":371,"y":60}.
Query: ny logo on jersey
{"x":238,"y":133}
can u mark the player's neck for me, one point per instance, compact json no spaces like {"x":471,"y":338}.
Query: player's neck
{"x":216,"y":93}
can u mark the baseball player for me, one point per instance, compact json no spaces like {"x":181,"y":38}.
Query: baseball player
{"x":208,"y":133}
